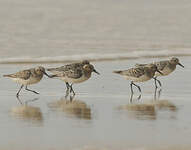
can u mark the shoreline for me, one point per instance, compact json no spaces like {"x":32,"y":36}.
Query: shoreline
{"x":92,"y":58}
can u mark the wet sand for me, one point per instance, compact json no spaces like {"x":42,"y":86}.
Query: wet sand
{"x":101,"y":116}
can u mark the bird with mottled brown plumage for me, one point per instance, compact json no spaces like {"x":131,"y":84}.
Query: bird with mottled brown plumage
{"x":138,"y":74}
{"x":73,"y":73}
{"x":28,"y":77}
{"x":166,"y":67}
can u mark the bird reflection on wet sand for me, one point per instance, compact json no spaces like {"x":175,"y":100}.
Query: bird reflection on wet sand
{"x":157,"y":93}
{"x":73,"y":108}
{"x":139,"y":111}
{"x":26,"y":112}
{"x":165,"y":105}
{"x":131,"y":97}
{"x":147,"y":111}
{"x":71,"y":97}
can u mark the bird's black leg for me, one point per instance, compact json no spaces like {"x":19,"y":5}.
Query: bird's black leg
{"x":31,"y":90}
{"x":131,"y":85}
{"x":67,"y":90}
{"x":19,"y":91}
{"x":137,"y":86}
{"x":159,"y":82}
{"x":159,"y":93}
{"x":139,"y":97}
{"x":19,"y":100}
{"x":156,"y":80}
{"x":131,"y":98}
{"x":67,"y":86}
{"x":71,"y":90}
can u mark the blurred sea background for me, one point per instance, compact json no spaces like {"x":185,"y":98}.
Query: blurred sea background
{"x":68,"y":30}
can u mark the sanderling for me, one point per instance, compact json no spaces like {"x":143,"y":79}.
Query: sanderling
{"x":27,"y":77}
{"x":166,"y":67}
{"x":73,"y":73}
{"x":138,"y":74}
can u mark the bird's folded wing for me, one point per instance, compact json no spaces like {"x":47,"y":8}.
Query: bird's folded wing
{"x":72,"y":73}
{"x":134,"y":72}
{"x":25,"y":74}
{"x":64,"y":68}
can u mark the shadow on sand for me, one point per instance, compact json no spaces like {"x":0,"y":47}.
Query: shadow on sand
{"x":139,"y":111}
{"x":72,"y":107}
{"x":149,"y":109}
{"x":27,"y":112}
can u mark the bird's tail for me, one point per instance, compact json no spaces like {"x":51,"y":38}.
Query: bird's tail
{"x":7,"y":75}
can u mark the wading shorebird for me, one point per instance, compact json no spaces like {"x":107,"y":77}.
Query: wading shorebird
{"x":73,"y":73}
{"x":138,"y":74}
{"x":28,"y":77}
{"x":166,"y":67}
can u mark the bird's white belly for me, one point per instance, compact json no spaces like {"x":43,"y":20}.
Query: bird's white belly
{"x":73,"y":80}
{"x":26,"y":82}
{"x":140,"y":79}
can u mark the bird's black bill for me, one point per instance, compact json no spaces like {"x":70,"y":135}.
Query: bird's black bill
{"x":96,"y":71}
{"x":159,"y":72}
{"x":180,"y":65}
{"x":48,"y":75}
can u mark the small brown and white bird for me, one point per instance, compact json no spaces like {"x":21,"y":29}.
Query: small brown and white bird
{"x":166,"y":67}
{"x":138,"y":74}
{"x":73,"y":73}
{"x":28,"y":77}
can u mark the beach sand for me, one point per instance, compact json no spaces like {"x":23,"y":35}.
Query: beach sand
{"x":100,"y":117}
